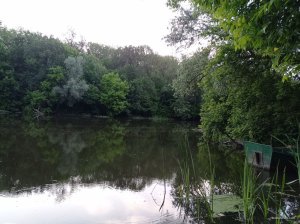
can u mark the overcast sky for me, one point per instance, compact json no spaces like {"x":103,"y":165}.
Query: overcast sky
{"x":110,"y":22}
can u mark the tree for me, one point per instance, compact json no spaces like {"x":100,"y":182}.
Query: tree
{"x":79,"y":44}
{"x":74,"y":87}
{"x":9,"y":90}
{"x":31,"y":55}
{"x":8,"y":84}
{"x":26,"y":58}
{"x":113,"y":93}
{"x":143,"y":97}
{"x":106,"y":54}
{"x":186,"y":85}
{"x":93,"y":70}
{"x":192,"y":25}
{"x":269,"y":27}
{"x":243,"y":98}
{"x":44,"y":99}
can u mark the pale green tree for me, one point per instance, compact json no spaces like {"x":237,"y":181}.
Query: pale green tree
{"x":75,"y":86}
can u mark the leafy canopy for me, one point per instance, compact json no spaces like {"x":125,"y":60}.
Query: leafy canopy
{"x":269,"y":27}
{"x":113,"y":93}
{"x":75,"y":86}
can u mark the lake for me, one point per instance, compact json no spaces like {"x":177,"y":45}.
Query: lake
{"x":96,"y":170}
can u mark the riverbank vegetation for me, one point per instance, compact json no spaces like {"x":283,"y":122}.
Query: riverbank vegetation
{"x":249,"y":90}
{"x":243,"y":85}
{"x":250,"y":85}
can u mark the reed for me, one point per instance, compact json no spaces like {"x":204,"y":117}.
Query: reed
{"x":279,"y":191}
{"x":297,"y":159}
{"x":297,"y":153}
{"x":249,"y":193}
{"x":261,"y":201}
{"x":265,"y":199}
{"x":192,"y":192}
{"x":212,"y":183}
{"x":257,"y":197}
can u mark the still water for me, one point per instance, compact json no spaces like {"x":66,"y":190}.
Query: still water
{"x":92,"y":170}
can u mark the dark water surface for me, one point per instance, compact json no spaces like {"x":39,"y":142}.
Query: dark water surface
{"x":89,"y":170}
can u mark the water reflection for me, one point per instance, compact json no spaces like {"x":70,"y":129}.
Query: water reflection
{"x":89,"y":170}
{"x":87,"y":204}
{"x":214,"y":195}
{"x":126,"y":155}
{"x":209,"y":179}
{"x":82,"y":170}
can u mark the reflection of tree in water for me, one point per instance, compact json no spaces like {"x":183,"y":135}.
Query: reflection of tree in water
{"x":105,"y":144}
{"x":63,"y":190}
{"x":122,"y":155}
{"x":137,"y":148}
{"x":71,"y":144}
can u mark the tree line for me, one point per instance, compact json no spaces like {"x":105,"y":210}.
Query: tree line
{"x":41,"y":75}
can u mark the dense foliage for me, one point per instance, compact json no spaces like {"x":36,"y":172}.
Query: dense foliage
{"x":41,"y":75}
{"x":250,"y":83}
{"x":186,"y":86}
{"x":245,"y":99}
{"x":269,"y":27}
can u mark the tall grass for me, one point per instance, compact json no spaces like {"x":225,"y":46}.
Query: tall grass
{"x":249,"y":189}
{"x":262,"y":201}
{"x":297,"y":153}
{"x":257,"y":197}
{"x":212,"y":183}
{"x":265,"y":198}
{"x":192,"y":192}
{"x":297,"y":158}
{"x":279,"y":190}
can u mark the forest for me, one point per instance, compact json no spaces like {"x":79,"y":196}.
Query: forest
{"x":44,"y":75}
{"x":244,"y":84}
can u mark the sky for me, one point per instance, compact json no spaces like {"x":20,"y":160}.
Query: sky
{"x":115,"y":23}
